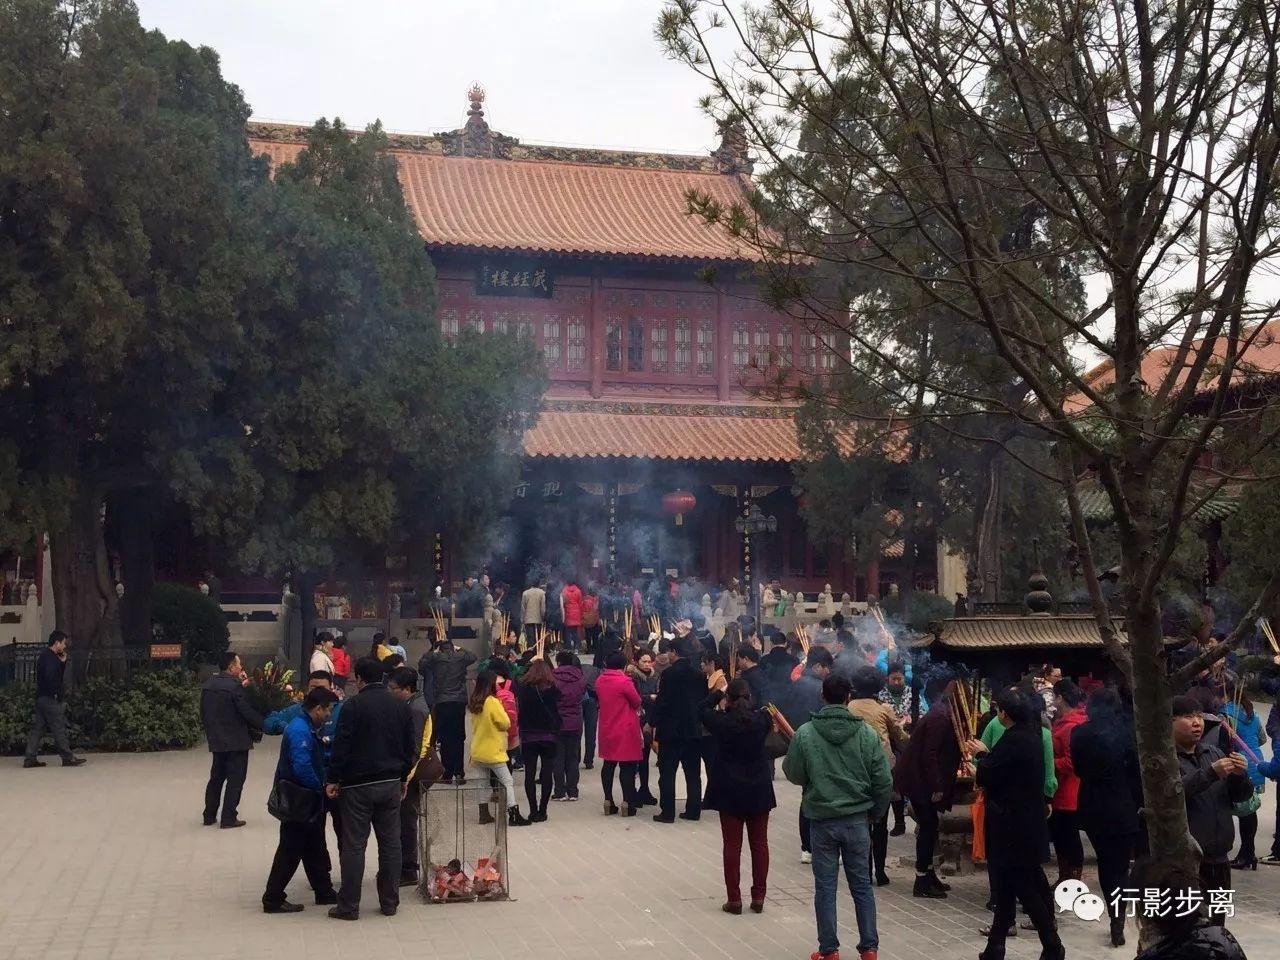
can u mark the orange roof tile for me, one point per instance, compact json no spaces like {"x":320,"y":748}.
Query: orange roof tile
{"x":558,"y":207}
{"x":663,"y":436}
{"x":1260,"y":360}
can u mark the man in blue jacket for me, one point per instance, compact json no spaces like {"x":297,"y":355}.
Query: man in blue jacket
{"x":302,"y":762}
{"x":277,"y":722}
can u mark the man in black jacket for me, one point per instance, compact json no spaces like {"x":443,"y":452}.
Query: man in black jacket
{"x":373,"y":752}
{"x":1211,"y":784}
{"x":678,"y":732}
{"x":228,"y":725}
{"x":447,"y":666}
{"x":50,"y":712}
{"x":777,"y":665}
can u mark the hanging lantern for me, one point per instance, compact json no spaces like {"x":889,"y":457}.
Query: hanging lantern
{"x":677,"y":503}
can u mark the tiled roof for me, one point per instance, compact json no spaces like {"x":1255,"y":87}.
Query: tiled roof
{"x":1096,"y":505}
{"x":566,"y":434}
{"x":558,"y":207}
{"x":998,"y":633}
{"x":1262,"y":359}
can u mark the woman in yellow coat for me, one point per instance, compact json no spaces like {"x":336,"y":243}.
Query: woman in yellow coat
{"x":489,"y":725}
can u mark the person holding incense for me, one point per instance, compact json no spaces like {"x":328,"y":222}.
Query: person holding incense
{"x":1243,"y":721}
{"x":1212,"y":783}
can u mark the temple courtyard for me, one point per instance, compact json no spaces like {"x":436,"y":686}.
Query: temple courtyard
{"x":111,"y":861}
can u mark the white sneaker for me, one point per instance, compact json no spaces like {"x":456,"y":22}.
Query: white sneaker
{"x":806,"y":856}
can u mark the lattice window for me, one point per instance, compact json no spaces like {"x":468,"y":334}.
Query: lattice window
{"x":784,"y":342}
{"x":613,"y":344}
{"x":449,"y":322}
{"x":684,"y":346}
{"x":524,"y":326}
{"x":658,"y":346}
{"x":741,"y":346}
{"x":706,"y":348}
{"x":475,"y":321}
{"x":577,"y":343}
{"x":500,"y":321}
{"x":551,"y":340}
{"x":635,"y":344}
{"x":761,"y":352}
{"x":705,"y":302}
{"x":827,"y":356}
{"x":808,"y":351}
{"x":637,"y":301}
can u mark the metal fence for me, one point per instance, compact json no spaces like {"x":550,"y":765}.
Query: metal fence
{"x":18,"y":660}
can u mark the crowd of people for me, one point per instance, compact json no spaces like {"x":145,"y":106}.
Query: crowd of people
{"x":1047,"y":761}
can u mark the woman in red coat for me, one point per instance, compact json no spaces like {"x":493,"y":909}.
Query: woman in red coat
{"x":1064,"y":826}
{"x":618,"y":738}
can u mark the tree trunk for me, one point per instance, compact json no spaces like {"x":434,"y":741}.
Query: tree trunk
{"x":305,"y":583}
{"x":84,"y":596}
{"x":1164,"y":801}
{"x":134,"y":522}
{"x":986,"y":553}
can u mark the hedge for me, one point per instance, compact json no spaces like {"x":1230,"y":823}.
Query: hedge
{"x":151,"y":710}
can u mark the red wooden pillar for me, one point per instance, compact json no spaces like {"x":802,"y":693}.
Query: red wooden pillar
{"x":873,"y":577}
{"x":597,"y":338}
{"x":724,"y":347}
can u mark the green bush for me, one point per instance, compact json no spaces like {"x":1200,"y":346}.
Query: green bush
{"x":152,"y":710}
{"x":182,"y":615}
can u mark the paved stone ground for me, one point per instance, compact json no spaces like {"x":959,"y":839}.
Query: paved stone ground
{"x":111,"y":861}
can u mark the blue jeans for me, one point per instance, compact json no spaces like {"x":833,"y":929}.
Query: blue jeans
{"x":850,"y":838}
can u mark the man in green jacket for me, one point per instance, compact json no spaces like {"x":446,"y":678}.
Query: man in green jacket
{"x":836,"y":758}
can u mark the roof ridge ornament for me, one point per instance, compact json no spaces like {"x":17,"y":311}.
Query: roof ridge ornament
{"x":477,"y":138}
{"x":732,"y":156}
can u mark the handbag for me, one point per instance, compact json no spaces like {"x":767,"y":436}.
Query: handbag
{"x":427,"y":771}
{"x":1250,"y":805}
{"x":290,"y":802}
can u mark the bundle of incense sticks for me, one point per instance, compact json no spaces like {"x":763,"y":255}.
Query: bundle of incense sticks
{"x":1269,"y":634}
{"x":437,"y":621}
{"x":541,"y":647}
{"x":779,"y":721}
{"x":626,"y":623}
{"x":885,"y":633}
{"x":802,"y":634}
{"x":655,"y":626}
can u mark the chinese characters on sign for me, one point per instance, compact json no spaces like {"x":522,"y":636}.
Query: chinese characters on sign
{"x":1151,"y":902}
{"x":514,"y":279}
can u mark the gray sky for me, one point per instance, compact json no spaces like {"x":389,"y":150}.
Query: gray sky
{"x":579,"y":72}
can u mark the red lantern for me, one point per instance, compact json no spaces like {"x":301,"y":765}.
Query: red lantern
{"x":679,"y":502}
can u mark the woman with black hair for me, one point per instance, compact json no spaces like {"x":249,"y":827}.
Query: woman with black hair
{"x":1105,"y":759}
{"x":1012,"y":778}
{"x":740,"y":787}
{"x":538,"y":706}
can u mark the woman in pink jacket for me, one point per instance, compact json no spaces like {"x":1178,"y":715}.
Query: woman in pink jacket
{"x":618,"y":738}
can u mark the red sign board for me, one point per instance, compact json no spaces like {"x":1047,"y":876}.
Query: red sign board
{"x":166,"y":651}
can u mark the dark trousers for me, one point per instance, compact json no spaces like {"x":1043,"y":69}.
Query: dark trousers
{"x":626,"y":774}
{"x":376,"y":806}
{"x":50,"y":715}
{"x":1064,"y":828}
{"x":899,"y":811}
{"x":539,"y":764}
{"x":590,"y":719}
{"x":1013,"y":884}
{"x":334,"y":806}
{"x":806,"y":834}
{"x":409,"y":807}
{"x":926,"y":815}
{"x":1215,"y":876}
{"x":757,"y":829}
{"x":228,"y":767}
{"x":1115,"y":854}
{"x":1275,"y":841}
{"x":686,"y":754}
{"x":565,"y":768}
{"x":451,"y":732}
{"x":1248,"y":834}
{"x":300,"y":843}
{"x":531,"y":633}
{"x":879,"y":844}
{"x":572,"y":637}
{"x":642,"y":773}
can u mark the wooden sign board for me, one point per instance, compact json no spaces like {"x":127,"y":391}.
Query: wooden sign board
{"x":166,"y":651}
